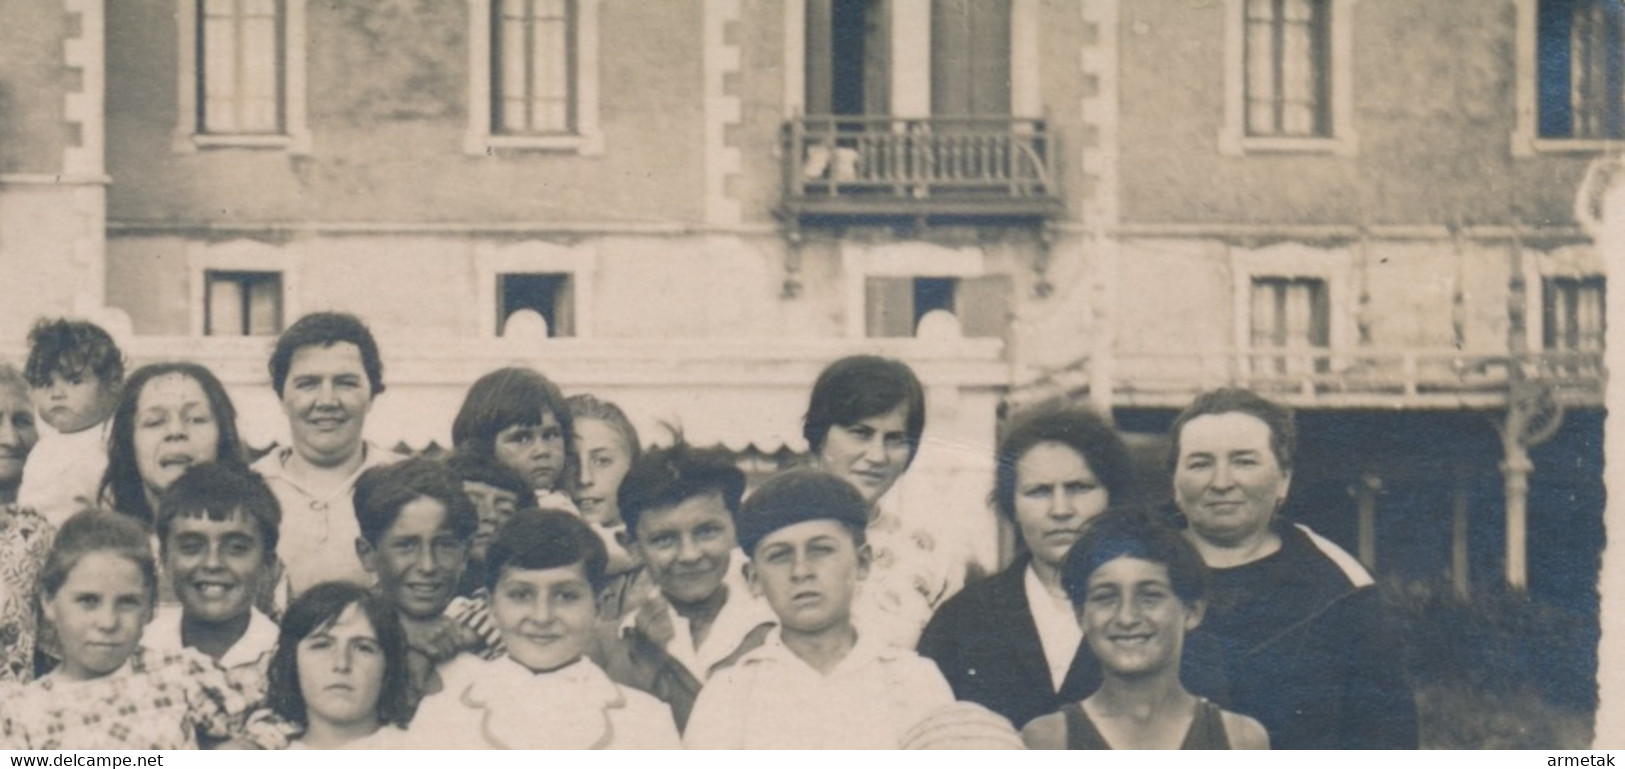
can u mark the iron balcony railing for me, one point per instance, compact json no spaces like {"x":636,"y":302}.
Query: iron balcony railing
{"x":841,"y":165}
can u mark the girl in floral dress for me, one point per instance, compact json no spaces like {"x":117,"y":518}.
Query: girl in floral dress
{"x":109,"y":693}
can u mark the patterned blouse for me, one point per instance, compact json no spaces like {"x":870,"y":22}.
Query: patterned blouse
{"x":25,"y":538}
{"x":157,"y":701}
{"x":910,"y":575}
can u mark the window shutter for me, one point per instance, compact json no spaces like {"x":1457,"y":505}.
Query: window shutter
{"x":983,"y":306}
{"x":890,"y":307}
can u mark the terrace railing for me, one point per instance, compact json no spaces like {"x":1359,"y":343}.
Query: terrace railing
{"x":850,"y":166}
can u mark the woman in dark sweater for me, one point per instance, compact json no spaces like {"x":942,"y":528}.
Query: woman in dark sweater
{"x":1294,"y":635}
{"x":1011,"y":642}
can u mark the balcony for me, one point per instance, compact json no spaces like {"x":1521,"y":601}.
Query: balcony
{"x":1318,"y":378}
{"x":842,"y":168}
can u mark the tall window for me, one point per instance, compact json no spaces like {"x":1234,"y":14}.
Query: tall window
{"x":533,"y":61}
{"x":1290,"y":315}
{"x":240,"y":80}
{"x":1288,"y":63}
{"x":1581,"y":69}
{"x":1573,"y":314}
{"x":239,"y":303}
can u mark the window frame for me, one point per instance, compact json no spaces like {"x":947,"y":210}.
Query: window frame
{"x":240,"y":255}
{"x":565,"y":281}
{"x":1334,"y":268}
{"x":484,"y":138}
{"x":190,"y":136}
{"x":1342,"y":140}
{"x":578,"y":262}
{"x":243,"y":278}
{"x":1526,"y":138}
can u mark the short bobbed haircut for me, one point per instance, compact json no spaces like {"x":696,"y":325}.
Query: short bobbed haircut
{"x":122,"y":485}
{"x":217,"y":491}
{"x":1226,"y":400}
{"x":1075,"y":427}
{"x":533,"y":539}
{"x":381,"y":492}
{"x":666,"y":477}
{"x":98,"y":531}
{"x":585,"y":406}
{"x":316,"y":610}
{"x":1134,"y":532}
{"x":325,"y":329}
{"x":479,"y":468}
{"x":861,"y":386}
{"x":59,"y":346}
{"x":504,"y":398}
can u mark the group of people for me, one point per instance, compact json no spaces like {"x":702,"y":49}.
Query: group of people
{"x":551,"y":582}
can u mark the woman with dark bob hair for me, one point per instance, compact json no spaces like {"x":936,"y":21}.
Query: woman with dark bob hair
{"x":519,"y":418}
{"x":863,"y":424}
{"x":339,"y":633}
{"x":1012,"y":642}
{"x":1296,"y":635}
{"x":169,"y":417}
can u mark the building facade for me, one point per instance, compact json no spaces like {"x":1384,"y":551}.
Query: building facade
{"x":1371,"y":209}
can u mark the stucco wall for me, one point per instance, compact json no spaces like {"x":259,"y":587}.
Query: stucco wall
{"x":33,"y":79}
{"x":387,"y":102}
{"x":1433,"y":107}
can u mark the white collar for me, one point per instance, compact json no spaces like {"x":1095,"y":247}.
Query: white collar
{"x":163,"y":634}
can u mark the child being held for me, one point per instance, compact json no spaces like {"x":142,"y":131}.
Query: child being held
{"x":74,"y":372}
{"x":109,"y":693}
{"x":217,"y":529}
{"x":544,"y":572}
{"x":1138,"y":587}
{"x":814,"y":682}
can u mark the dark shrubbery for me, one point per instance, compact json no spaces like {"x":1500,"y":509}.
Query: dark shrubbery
{"x":1496,"y":670}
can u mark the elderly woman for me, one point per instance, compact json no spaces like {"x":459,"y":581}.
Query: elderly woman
{"x":863,"y":423}
{"x":25,"y":537}
{"x":1012,"y":642}
{"x":18,"y":433}
{"x":1295,"y":635}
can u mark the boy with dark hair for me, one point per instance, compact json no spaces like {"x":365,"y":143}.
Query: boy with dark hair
{"x":416,"y":523}
{"x":74,"y":373}
{"x":217,"y":528}
{"x":679,"y":505}
{"x":815,"y":682}
{"x":497,"y":492}
{"x":544,"y":572}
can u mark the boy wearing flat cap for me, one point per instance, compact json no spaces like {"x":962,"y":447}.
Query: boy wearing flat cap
{"x":815,"y":682}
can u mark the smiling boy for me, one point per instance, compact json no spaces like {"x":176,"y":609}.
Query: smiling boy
{"x":544,"y":572}
{"x":815,"y":682}
{"x":679,"y":505}
{"x":416,"y":524}
{"x":217,"y":529}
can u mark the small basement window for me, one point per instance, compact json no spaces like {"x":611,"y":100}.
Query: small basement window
{"x":528,"y":297}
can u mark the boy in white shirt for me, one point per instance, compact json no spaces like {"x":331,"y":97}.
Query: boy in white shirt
{"x":815,"y":682}
{"x":217,"y":529}
{"x":74,"y":373}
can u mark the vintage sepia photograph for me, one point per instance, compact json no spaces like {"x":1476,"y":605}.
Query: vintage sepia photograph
{"x":795,"y":374}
